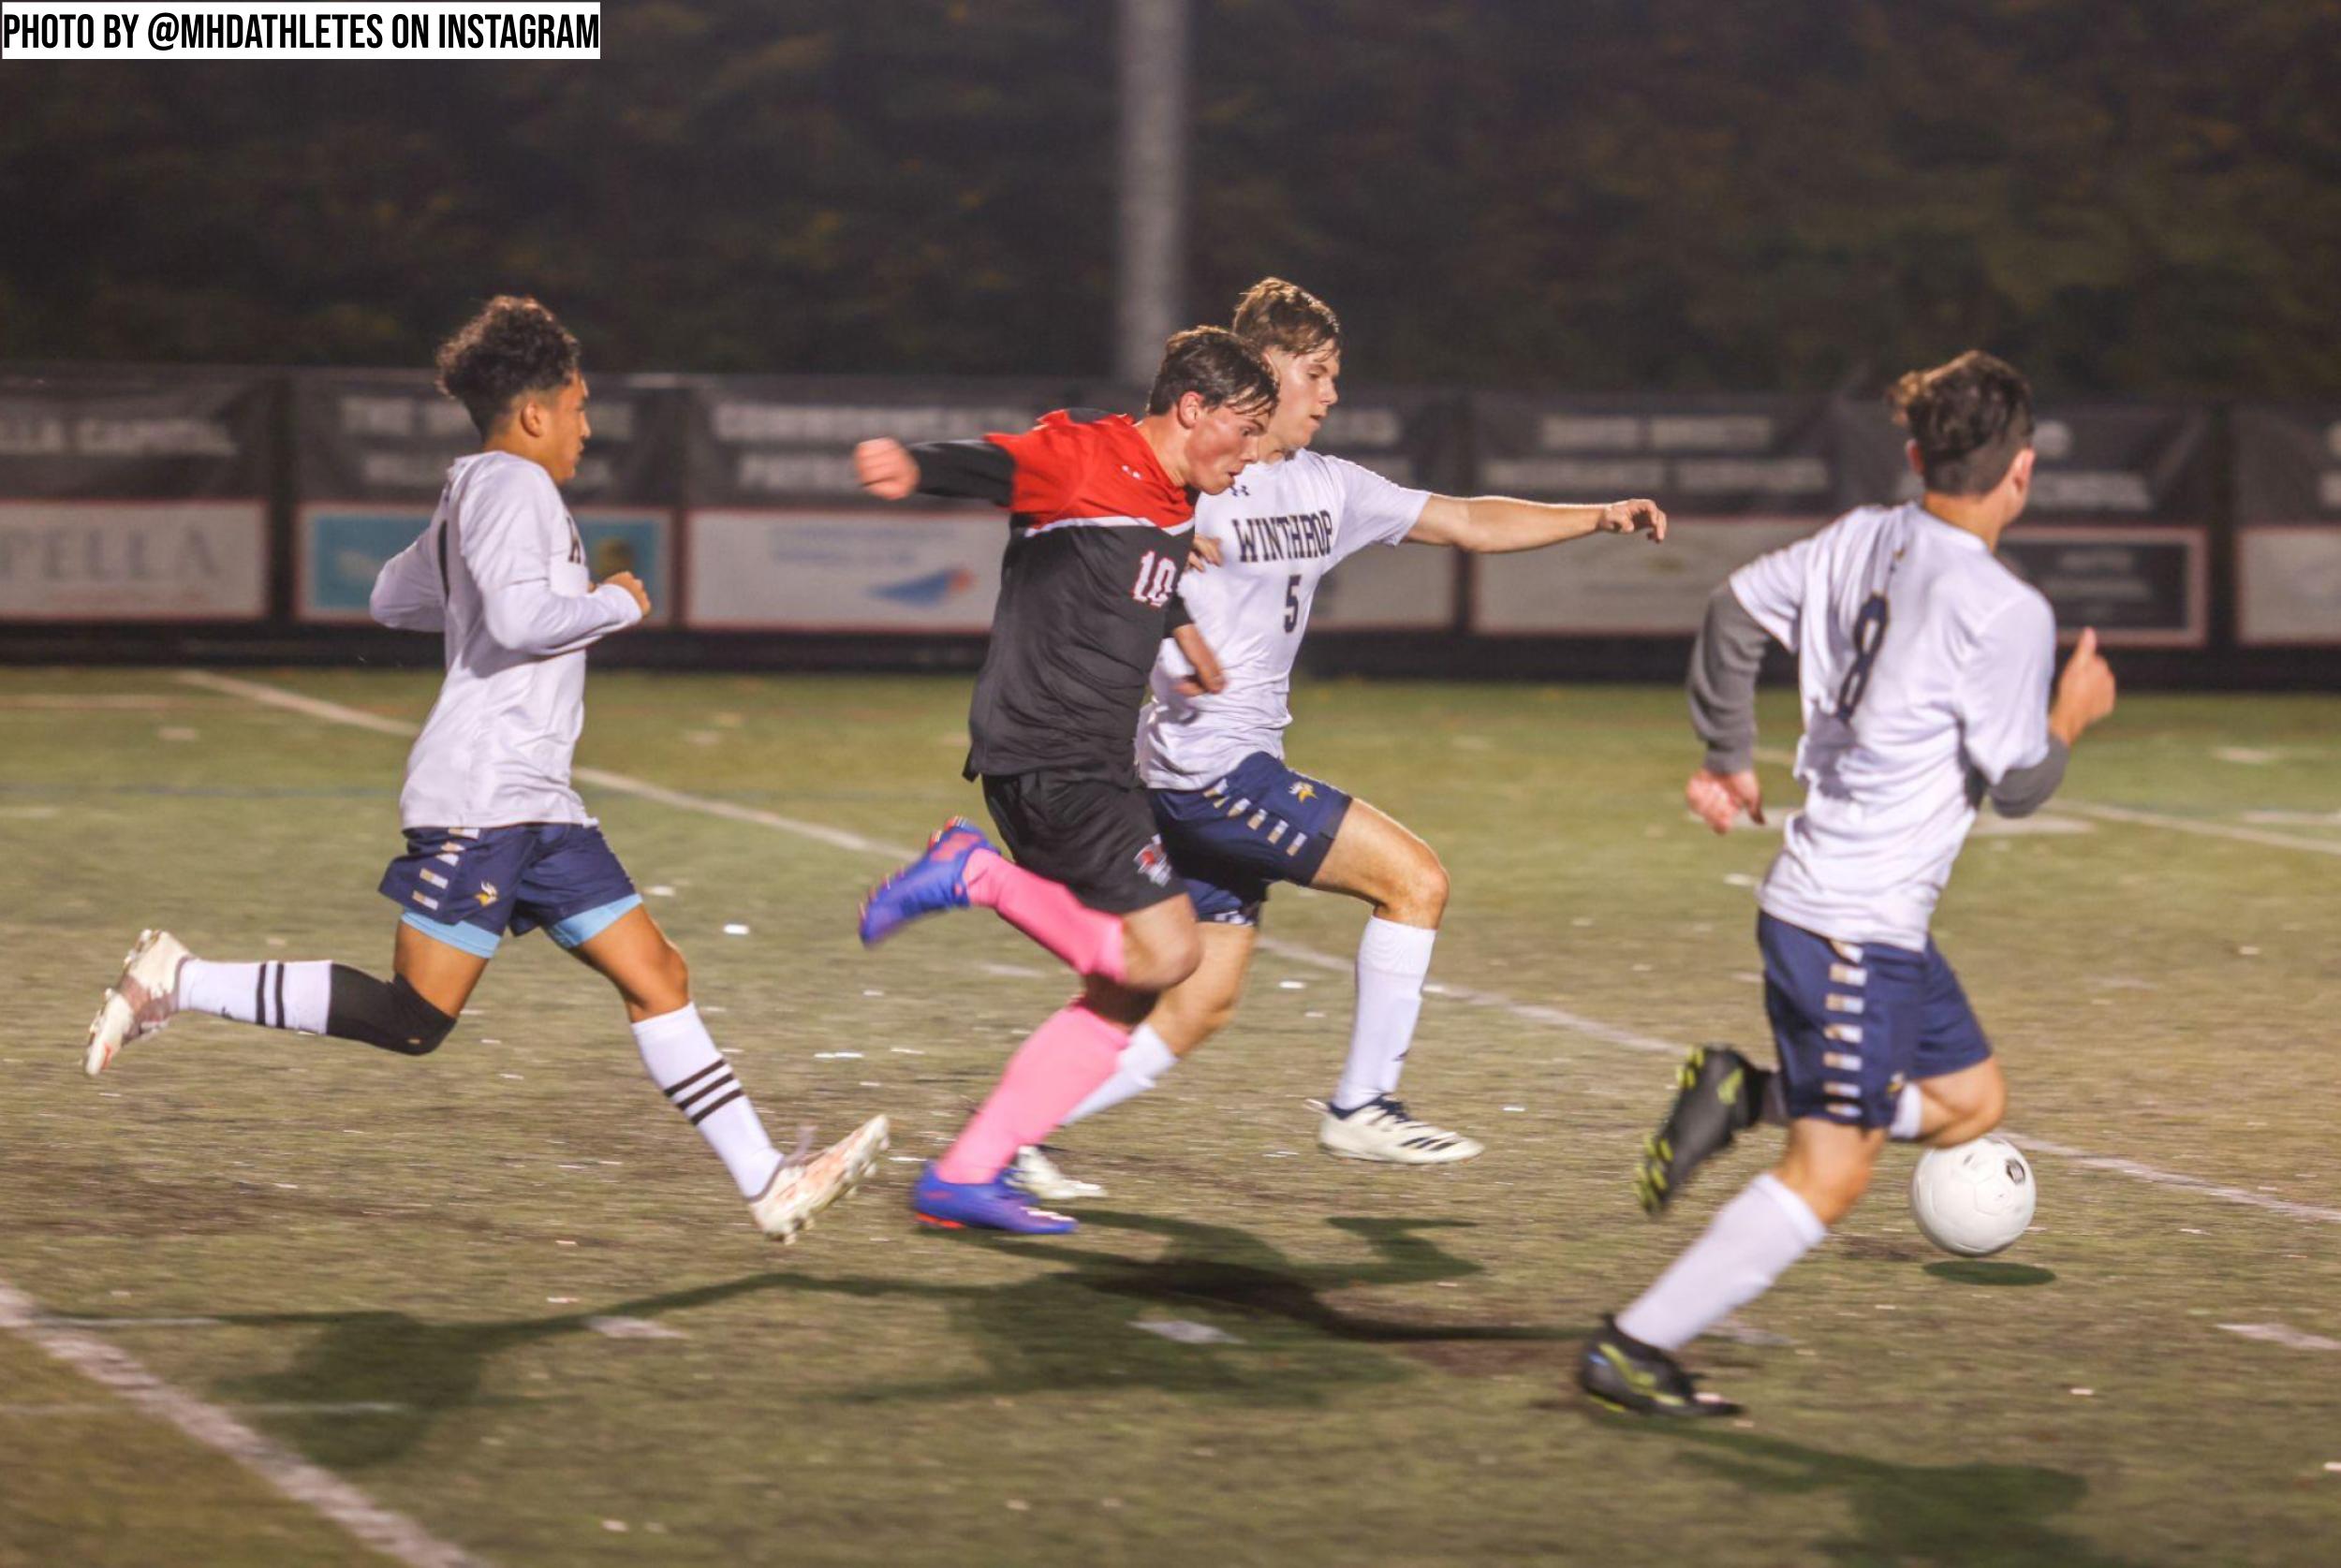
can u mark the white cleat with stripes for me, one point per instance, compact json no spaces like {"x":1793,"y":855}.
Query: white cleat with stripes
{"x":800,"y":1189}
{"x":140,"y":1002}
{"x":1381,"y":1130}
{"x":1037,"y":1176}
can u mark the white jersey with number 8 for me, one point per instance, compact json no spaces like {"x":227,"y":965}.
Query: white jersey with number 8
{"x":1922,"y":670}
{"x":1280,"y":528}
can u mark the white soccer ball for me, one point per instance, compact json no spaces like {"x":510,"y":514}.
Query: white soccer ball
{"x":1973,"y":1199}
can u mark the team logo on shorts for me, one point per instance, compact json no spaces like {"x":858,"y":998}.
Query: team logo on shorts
{"x":487,"y":894}
{"x":1304,"y":790}
{"x":1154,"y":864}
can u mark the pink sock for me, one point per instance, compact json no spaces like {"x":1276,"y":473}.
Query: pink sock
{"x":1047,"y":913}
{"x":1050,"y":1073}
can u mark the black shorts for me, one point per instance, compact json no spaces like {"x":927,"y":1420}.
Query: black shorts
{"x":1095,"y":835}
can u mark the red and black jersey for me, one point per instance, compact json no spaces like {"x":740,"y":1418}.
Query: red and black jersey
{"x":1098,"y":537}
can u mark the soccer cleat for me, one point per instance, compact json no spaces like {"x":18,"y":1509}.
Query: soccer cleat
{"x":140,"y":1002}
{"x":934,"y":882}
{"x":982,"y":1205}
{"x":1720,"y":1096}
{"x":1381,"y":1130}
{"x":1035,"y":1174}
{"x":802,"y":1188}
{"x":1625,"y":1374}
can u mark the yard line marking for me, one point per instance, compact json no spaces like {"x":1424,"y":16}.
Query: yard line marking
{"x":2282,"y":1334}
{"x":1557,"y":1017}
{"x":392,"y":1534}
{"x":293,"y":1407}
{"x":2145,"y":819}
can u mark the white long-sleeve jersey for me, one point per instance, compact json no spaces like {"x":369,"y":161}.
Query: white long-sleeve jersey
{"x":501,"y":571}
{"x":1924,"y":666}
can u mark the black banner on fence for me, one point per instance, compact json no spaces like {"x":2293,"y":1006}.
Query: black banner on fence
{"x":2117,"y":530}
{"x":373,"y":449}
{"x":782,"y":537}
{"x":1737,"y":476}
{"x":133,"y":497}
{"x":2287,"y":536}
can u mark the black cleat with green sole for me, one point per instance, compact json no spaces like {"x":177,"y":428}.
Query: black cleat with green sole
{"x":1625,"y":1374}
{"x":1721,"y":1095}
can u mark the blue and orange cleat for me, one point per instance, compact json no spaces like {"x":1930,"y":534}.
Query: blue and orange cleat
{"x":992,"y":1204}
{"x":934,"y":882}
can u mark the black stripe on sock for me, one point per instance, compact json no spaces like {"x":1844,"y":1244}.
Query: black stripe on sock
{"x":671,"y":1090}
{"x":280,"y":996}
{"x":259,"y":995}
{"x":700,"y":1096}
{"x":736,"y":1092}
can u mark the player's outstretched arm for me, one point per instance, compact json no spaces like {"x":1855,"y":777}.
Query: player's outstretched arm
{"x":1496,"y":524}
{"x":1722,"y":690}
{"x":968,"y":470}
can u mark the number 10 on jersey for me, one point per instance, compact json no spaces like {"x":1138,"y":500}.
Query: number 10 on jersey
{"x":1157,"y":575}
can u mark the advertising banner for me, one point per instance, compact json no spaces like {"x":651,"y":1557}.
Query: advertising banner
{"x":1737,"y":476}
{"x":133,"y":560}
{"x":130,"y":497}
{"x":2287,"y":541}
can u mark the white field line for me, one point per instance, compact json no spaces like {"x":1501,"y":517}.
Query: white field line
{"x":1555,"y":1018}
{"x":2145,"y":819}
{"x":392,"y":1534}
{"x":295,"y":1407}
{"x":2282,"y":1334}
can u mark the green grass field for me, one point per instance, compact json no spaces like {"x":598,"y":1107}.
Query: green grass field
{"x":402,"y":1276}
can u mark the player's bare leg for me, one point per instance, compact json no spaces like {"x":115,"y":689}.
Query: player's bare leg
{"x":440,"y":972}
{"x":1958,"y":1108}
{"x":784,"y":1193}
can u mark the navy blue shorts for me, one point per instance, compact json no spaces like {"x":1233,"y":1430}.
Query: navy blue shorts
{"x":1856,"y":1021}
{"x":1261,"y":824}
{"x":466,"y":887}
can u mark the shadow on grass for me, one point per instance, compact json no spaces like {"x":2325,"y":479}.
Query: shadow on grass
{"x":1997,"y":1514}
{"x":1976,"y":1272}
{"x":1272,"y":1340}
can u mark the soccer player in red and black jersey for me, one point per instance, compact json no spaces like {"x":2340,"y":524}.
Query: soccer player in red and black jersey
{"x":1102,"y":514}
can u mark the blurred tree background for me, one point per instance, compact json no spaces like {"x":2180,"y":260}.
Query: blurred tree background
{"x":2122,"y":196}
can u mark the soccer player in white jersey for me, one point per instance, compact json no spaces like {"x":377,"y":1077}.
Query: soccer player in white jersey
{"x":1234,"y":817}
{"x":496,"y":839}
{"x":1924,"y":666}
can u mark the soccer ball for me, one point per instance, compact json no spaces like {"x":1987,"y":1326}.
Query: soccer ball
{"x":1974,"y":1199}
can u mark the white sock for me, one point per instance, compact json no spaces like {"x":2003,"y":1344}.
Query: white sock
{"x":1142,"y":1063}
{"x":1393,"y":960}
{"x":1751,"y":1240}
{"x":682,"y":1061}
{"x":274,"y":995}
{"x":1909,"y":1111}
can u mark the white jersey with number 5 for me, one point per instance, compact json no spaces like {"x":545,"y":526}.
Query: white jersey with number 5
{"x":1280,"y":528}
{"x":1922,"y":669}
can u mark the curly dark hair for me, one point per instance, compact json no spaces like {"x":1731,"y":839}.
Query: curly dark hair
{"x":1212,"y":361}
{"x":1969,"y":418}
{"x":1273,"y":313}
{"x":512,"y":348}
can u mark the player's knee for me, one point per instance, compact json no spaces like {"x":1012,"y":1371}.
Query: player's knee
{"x":410,"y":1025}
{"x":1419,"y":891}
{"x":674,"y":973}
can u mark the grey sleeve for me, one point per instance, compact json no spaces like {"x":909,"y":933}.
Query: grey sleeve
{"x":2022,"y":791}
{"x":1722,"y":684}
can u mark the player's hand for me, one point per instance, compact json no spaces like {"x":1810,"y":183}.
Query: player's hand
{"x":1718,"y":799}
{"x":886,"y":468}
{"x":1204,"y":554}
{"x":1633,"y":517}
{"x":633,"y":585}
{"x":2084,"y":693}
{"x":1208,"y":676}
